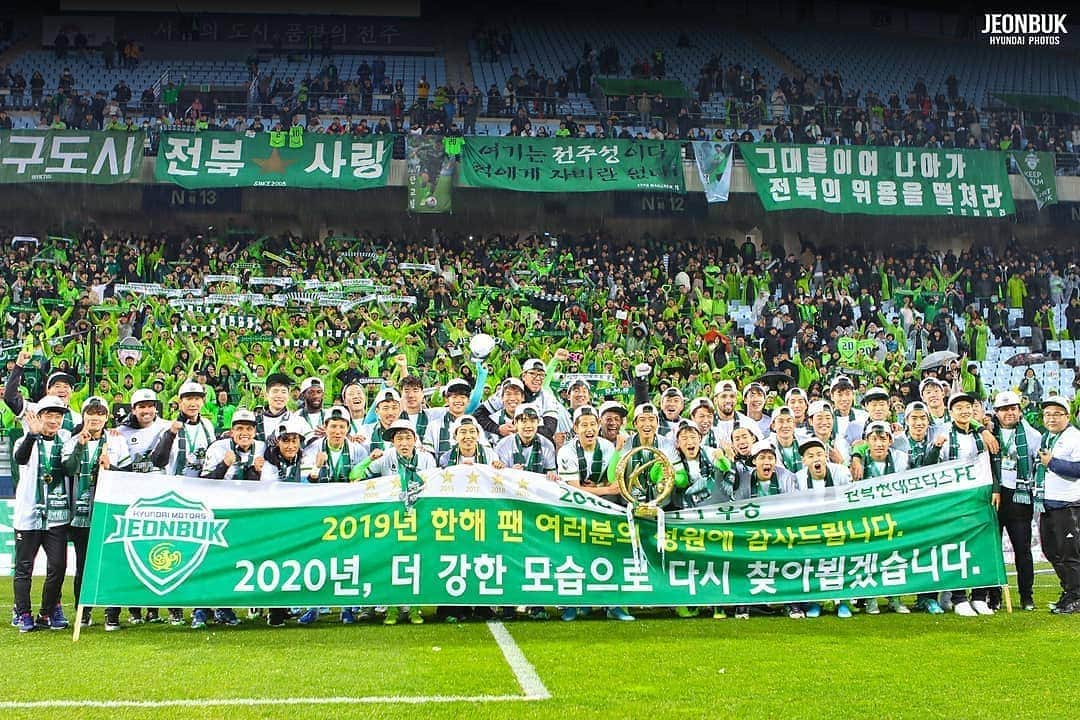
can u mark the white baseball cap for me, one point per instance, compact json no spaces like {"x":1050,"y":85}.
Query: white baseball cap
{"x":465,"y":420}
{"x":524,"y":408}
{"x":645,"y":409}
{"x":458,"y":386}
{"x":512,"y":382}
{"x":143,"y":395}
{"x":1006,"y":399}
{"x":396,"y":427}
{"x":613,"y":406}
{"x":191,"y":388}
{"x":533,"y":364}
{"x":725,"y":386}
{"x":243,"y":415}
{"x":877,"y":426}
{"x":293,"y":426}
{"x":818,"y":406}
{"x":388,"y":395}
{"x":700,"y":402}
{"x":51,"y":403}
{"x":308,"y":383}
{"x":95,"y":401}
{"x":762,"y":446}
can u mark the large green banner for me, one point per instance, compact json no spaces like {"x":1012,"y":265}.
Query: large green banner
{"x":572,"y":164}
{"x":226,"y":159}
{"x":70,"y":156}
{"x":880,"y":180}
{"x":480,"y":536}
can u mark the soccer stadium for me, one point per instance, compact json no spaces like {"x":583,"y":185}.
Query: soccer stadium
{"x":616,"y":360}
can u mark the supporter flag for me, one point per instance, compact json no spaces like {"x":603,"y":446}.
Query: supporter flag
{"x":431,"y":174}
{"x":1038,"y":171}
{"x":714,"y":168}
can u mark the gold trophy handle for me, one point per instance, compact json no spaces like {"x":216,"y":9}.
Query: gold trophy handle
{"x":629,"y":482}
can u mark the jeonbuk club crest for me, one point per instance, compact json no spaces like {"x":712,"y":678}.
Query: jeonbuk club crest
{"x":166,"y":539}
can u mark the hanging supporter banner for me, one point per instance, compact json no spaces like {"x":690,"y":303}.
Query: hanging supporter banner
{"x":714,"y":162}
{"x":849,"y":347}
{"x":473,"y":535}
{"x":70,"y":156}
{"x":572,"y":165}
{"x":1037,"y":168}
{"x":225,"y":159}
{"x":880,"y":181}
{"x":431,"y":174}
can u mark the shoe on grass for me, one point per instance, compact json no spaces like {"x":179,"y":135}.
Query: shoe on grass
{"x":964,"y":609}
{"x":898,"y":607}
{"x":872,"y":607}
{"x":309,"y":616}
{"x":569,"y":614}
{"x":391,"y":616}
{"x":981,"y":607}
{"x":685,"y":612}
{"x":813,"y":610}
{"x":416,"y":617}
{"x":198,"y":620}
{"x":58,"y":621}
{"x":618,"y":613}
{"x":843,"y":610}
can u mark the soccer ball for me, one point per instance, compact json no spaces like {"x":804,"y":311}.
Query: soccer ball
{"x":431,"y":201}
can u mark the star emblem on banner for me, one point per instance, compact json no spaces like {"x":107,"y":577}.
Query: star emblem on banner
{"x":274,"y":164}
{"x":498,"y":484}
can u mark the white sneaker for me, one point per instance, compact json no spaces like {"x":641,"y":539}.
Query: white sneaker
{"x":964,"y":609}
{"x":981,"y":607}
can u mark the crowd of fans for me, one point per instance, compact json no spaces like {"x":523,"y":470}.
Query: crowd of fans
{"x":222,"y":333}
{"x":800,"y":109}
{"x":615,"y":305}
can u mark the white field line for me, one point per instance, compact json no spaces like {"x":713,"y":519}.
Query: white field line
{"x":530,"y":682}
{"x":204,"y":702}
{"x":525,"y":674}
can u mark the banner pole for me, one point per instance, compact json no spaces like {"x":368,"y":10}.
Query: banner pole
{"x":1008,"y":598}
{"x":78,"y":623}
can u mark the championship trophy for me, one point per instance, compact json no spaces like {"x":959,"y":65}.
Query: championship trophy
{"x":644,"y":496}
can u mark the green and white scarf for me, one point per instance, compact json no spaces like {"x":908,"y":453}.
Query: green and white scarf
{"x":88,"y":470}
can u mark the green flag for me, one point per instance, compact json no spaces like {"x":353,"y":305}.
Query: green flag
{"x":1037,"y":168}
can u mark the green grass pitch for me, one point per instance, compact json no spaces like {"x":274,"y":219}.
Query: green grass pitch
{"x":887,"y":666}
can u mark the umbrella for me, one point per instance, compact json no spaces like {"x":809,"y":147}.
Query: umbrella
{"x":1026,"y":359}
{"x":937,"y":359}
{"x":774,"y":378}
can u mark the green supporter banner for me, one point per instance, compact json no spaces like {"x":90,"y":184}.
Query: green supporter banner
{"x":225,"y":159}
{"x":849,"y":347}
{"x":880,"y":181}
{"x":1037,"y":168}
{"x":572,"y":164}
{"x":431,"y":172}
{"x":70,"y":156}
{"x":480,"y":536}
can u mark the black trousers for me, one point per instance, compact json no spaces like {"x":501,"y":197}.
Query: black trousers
{"x":27,"y":544}
{"x":1059,"y":531}
{"x":80,"y":537}
{"x":1015,"y":519}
